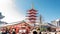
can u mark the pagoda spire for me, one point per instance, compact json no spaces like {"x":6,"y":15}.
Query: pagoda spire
{"x":32,"y":5}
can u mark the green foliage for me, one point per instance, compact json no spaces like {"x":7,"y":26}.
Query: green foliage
{"x":38,"y":29}
{"x":43,"y":29}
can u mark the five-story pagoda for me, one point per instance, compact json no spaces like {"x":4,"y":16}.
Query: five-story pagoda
{"x":32,"y":14}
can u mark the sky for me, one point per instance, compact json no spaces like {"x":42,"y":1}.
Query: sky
{"x":15,"y":10}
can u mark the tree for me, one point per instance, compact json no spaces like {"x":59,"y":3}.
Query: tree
{"x":43,"y":29}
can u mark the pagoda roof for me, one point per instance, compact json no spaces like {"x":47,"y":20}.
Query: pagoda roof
{"x":33,"y":10}
{"x":32,"y":16}
{"x":32,"y":13}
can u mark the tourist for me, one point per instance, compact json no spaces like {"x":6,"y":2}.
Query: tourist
{"x":13,"y":31}
{"x":4,"y":32}
{"x":39,"y":32}
{"x":7,"y":31}
{"x":20,"y":31}
{"x":0,"y":32}
{"x":34,"y":32}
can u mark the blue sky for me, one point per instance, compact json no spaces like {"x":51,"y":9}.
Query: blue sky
{"x":50,"y":9}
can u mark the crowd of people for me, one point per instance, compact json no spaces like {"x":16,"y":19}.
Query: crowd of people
{"x":12,"y":31}
{"x":7,"y":31}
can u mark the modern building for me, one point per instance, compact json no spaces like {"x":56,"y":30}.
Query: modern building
{"x":57,"y":24}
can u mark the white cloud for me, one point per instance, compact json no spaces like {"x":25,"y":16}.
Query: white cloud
{"x":9,"y":10}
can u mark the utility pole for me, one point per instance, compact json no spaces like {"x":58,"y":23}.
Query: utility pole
{"x":40,"y":21}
